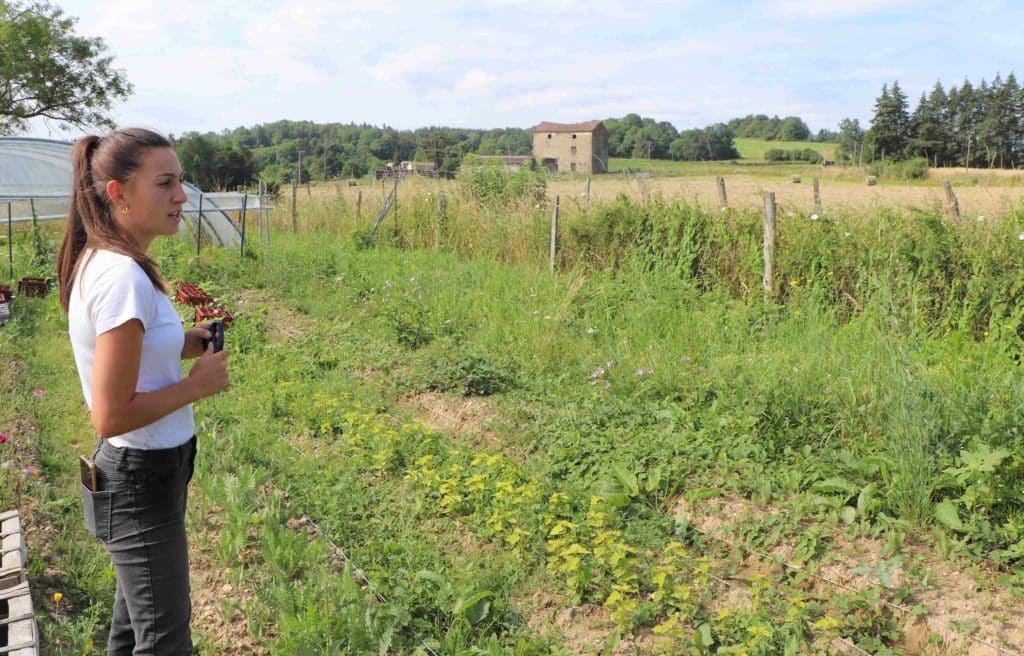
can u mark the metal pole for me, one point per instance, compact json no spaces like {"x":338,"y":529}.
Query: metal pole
{"x":259,"y":213}
{"x":245,"y":201}
{"x":10,"y":241}
{"x":199,"y":224}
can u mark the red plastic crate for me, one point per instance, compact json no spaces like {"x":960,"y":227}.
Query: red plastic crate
{"x":213,"y":313}
{"x":33,"y":286}
{"x":190,"y":294}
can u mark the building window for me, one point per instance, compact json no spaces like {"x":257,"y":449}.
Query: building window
{"x":573,"y":150}
{"x":572,"y":167}
{"x":549,"y":136}
{"x":574,"y":136}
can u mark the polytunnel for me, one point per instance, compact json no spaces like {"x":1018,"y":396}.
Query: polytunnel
{"x":35,"y":178}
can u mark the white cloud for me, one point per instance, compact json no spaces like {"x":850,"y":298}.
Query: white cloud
{"x":1008,"y":39}
{"x":402,"y":67}
{"x":475,"y":81}
{"x":829,"y":9}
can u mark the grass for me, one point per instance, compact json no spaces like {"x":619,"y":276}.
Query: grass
{"x":879,"y":386}
{"x":754,"y":149}
{"x":751,"y":152}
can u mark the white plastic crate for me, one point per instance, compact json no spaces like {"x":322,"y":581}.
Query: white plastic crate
{"x":17,"y":621}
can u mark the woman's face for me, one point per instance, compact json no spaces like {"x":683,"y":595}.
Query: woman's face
{"x":154,"y":197}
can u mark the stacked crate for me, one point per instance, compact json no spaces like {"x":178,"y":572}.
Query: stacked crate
{"x":190,"y":294}
{"x":17,"y":622}
{"x":33,"y":286}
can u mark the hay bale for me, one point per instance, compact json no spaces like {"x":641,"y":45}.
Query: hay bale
{"x":871,"y":181}
{"x":795,"y":179}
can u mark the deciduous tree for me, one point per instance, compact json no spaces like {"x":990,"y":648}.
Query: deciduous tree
{"x":49,"y":72}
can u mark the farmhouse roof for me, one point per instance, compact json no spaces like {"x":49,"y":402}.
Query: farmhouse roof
{"x":548,"y":126}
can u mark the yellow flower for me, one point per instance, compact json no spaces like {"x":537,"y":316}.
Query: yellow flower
{"x":57,"y":596}
{"x":986,"y":333}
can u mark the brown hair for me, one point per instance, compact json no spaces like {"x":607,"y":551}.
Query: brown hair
{"x":95,"y":162}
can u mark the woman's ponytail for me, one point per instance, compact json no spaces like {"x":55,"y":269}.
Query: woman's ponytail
{"x":84,"y":201}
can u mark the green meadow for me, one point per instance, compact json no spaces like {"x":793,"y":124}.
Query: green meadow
{"x":434,"y":444}
{"x":751,"y":153}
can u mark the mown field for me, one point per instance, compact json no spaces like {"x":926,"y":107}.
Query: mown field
{"x":750,"y":148}
{"x":435,"y":445}
{"x":751,"y":152}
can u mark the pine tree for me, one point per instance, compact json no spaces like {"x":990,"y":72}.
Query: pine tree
{"x":890,"y":126}
{"x":1015,"y":95}
{"x":927,"y":136}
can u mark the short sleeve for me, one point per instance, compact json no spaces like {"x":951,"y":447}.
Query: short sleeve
{"x":120,"y":294}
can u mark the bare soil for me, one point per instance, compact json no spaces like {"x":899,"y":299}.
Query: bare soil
{"x":954,"y":597}
{"x":457,"y":416}
{"x":216,"y":602}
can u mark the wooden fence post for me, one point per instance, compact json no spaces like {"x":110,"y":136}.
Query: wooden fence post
{"x":817,"y":197}
{"x":587,"y":192}
{"x":554,"y":233}
{"x":769,"y":244}
{"x":296,"y":181}
{"x":295,"y":211}
{"x":359,"y":204}
{"x":954,"y":204}
{"x":723,"y":199}
{"x":442,"y":206}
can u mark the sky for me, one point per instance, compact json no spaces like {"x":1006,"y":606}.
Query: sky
{"x":211,"y":65}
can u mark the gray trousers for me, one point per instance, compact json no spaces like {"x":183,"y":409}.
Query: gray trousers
{"x":139,"y":514}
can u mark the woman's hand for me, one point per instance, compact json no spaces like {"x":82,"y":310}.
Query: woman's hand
{"x":194,"y":338}
{"x":117,"y":408}
{"x":209,"y":374}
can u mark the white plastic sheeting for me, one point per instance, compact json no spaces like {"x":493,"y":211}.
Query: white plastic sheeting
{"x":36,"y":173}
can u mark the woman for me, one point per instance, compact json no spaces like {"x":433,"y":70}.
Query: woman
{"x":129,"y":343}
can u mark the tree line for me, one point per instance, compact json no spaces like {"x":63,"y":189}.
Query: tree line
{"x":283,"y":151}
{"x":791,"y":128}
{"x":272,"y":151}
{"x":977,"y":126}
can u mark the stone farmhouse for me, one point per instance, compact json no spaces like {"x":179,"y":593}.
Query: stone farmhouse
{"x":576,"y":147}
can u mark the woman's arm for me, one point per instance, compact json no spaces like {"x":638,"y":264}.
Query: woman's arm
{"x":117,"y":408}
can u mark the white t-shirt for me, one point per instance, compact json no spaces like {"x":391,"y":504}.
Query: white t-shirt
{"x":110,"y":291}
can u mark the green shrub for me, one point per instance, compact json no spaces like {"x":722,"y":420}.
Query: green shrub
{"x":492,"y":183}
{"x":796,"y":155}
{"x":470,"y":375}
{"x":915,"y":168}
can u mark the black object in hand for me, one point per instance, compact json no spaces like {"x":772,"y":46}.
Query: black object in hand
{"x":216,"y":336}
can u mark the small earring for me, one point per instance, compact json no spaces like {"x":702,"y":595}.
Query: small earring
{"x":124,"y":210}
